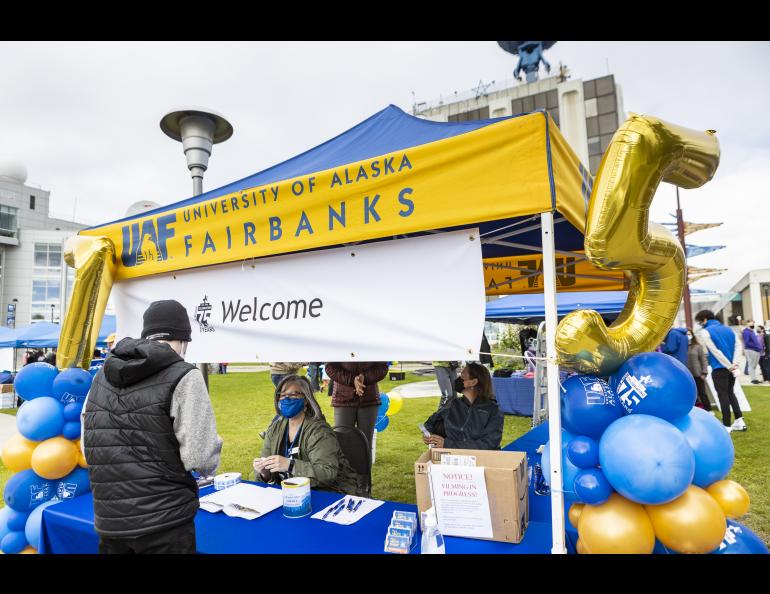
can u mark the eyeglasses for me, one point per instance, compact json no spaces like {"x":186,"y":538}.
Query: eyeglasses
{"x":285,"y":395}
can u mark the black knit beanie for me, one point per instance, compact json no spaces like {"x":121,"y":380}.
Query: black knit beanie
{"x":166,"y":320}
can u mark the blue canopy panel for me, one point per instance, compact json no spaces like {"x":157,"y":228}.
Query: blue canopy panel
{"x":45,"y":335}
{"x":530,"y":308}
{"x":389,"y":130}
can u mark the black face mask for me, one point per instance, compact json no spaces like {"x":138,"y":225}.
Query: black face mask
{"x":459,"y":385}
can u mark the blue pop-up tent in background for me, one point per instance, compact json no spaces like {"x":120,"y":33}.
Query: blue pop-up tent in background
{"x":531,"y":308}
{"x":45,"y":335}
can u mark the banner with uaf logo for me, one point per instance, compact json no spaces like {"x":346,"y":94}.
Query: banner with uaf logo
{"x":416,"y":299}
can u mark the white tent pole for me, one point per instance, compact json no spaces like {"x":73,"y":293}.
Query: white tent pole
{"x":554,"y":400}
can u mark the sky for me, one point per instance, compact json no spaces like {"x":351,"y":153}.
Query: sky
{"x":84,"y":117}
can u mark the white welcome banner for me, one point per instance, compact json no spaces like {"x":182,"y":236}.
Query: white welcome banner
{"x":416,"y":299}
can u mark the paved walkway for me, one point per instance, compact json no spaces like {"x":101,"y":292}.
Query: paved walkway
{"x":417,"y":390}
{"x":7,"y":427}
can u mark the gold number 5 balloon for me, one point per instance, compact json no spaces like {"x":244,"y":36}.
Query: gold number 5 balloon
{"x":619,"y":236}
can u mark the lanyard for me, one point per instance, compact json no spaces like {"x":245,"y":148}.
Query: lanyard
{"x":289,"y":448}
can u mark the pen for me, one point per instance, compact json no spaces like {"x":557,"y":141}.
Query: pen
{"x":339,"y":509}
{"x":331,"y":509}
{"x":351,"y":503}
{"x":355,"y":509}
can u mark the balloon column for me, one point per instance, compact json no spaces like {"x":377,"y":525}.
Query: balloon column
{"x":45,"y":453}
{"x":644,"y":469}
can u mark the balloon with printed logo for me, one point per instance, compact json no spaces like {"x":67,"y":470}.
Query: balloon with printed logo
{"x":646,"y":459}
{"x":574,"y":513}
{"x":72,"y":385}
{"x":583,"y":451}
{"x":72,"y":411}
{"x":655,"y":384}
{"x":691,"y":523}
{"x":75,"y":484}
{"x":40,"y":419}
{"x":711,"y":444}
{"x":382,"y":424}
{"x":568,"y":470}
{"x":71,"y":430}
{"x":13,"y":543}
{"x":739,"y":540}
{"x":35,"y":380}
{"x":395,"y":404}
{"x":17,"y":453}
{"x":592,"y":487}
{"x":731,"y":497}
{"x":616,"y":526}
{"x":588,"y":405}
{"x":55,"y":458}
{"x":34,"y":523}
{"x":25,"y":490}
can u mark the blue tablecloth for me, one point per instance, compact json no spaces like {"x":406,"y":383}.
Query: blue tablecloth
{"x":515,"y":395}
{"x":68,"y":528}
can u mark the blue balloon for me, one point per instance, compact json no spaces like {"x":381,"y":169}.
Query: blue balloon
{"x":655,"y":384}
{"x":739,"y":540}
{"x":40,"y":419}
{"x":711,"y":444}
{"x":583,"y":451}
{"x":25,"y":490}
{"x":592,"y":487}
{"x":646,"y":459}
{"x":73,"y":485}
{"x":72,"y":411}
{"x":382,"y":424}
{"x":35,"y":380}
{"x":34,"y":524}
{"x":13,"y":542}
{"x":568,"y":470}
{"x":94,"y":369}
{"x":4,"y":515}
{"x":71,"y":430}
{"x":72,"y":385}
{"x":16,"y":520}
{"x":384,"y":405}
{"x":588,"y":405}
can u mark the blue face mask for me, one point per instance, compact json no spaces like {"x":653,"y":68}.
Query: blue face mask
{"x":291,"y":407}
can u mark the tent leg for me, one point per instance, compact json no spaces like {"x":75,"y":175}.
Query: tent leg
{"x":554,"y":402}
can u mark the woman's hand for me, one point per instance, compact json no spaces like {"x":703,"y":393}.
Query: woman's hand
{"x":426,"y":439}
{"x":358,"y":383}
{"x":274,"y":464}
{"x":436,"y":440}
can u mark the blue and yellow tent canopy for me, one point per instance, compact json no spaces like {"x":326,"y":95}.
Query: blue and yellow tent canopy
{"x":391,"y":176}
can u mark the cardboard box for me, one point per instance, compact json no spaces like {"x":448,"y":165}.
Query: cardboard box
{"x":505,"y":474}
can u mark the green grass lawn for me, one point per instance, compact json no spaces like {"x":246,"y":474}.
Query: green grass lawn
{"x":243,"y":406}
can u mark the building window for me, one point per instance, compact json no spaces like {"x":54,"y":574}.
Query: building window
{"x":46,"y":282}
{"x":540,"y":101}
{"x":606,"y":104}
{"x":517,"y":107}
{"x":31,"y":202}
{"x":608,"y":123}
{"x":605,"y":85}
{"x":589,"y":89}
{"x":555,"y":115}
{"x":9,"y":221}
{"x":482,"y":113}
{"x":594,"y":146}
{"x":592,"y":126}
{"x":591,"y":109}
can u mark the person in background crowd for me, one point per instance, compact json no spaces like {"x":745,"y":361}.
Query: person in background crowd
{"x":723,"y":350}
{"x":299,"y":442}
{"x":473,"y":421}
{"x":280,"y":370}
{"x":147,"y":422}
{"x":764,"y":360}
{"x":223,"y":368}
{"x":485,"y":355}
{"x":314,"y":375}
{"x":50,"y":357}
{"x":110,"y":342}
{"x":356,"y":396}
{"x":446,"y":374}
{"x":676,"y":344}
{"x":524,"y":336}
{"x":697,"y":363}
{"x":753,"y":347}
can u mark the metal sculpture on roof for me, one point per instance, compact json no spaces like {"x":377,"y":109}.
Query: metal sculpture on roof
{"x":530,"y":55}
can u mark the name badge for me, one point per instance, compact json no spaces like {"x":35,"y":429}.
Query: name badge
{"x":294,"y":451}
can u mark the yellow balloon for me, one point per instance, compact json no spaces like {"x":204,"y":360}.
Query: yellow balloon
{"x":620,"y":236}
{"x":731,"y":497}
{"x":581,"y":548}
{"x":396,"y":402}
{"x":54,"y":458}
{"x":574,"y":513}
{"x":28,"y":550}
{"x":17,"y":453}
{"x":691,"y":523}
{"x":616,"y":526}
{"x":81,"y":459}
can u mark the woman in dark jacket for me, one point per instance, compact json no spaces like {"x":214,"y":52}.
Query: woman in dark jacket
{"x":697,"y":363}
{"x":355,"y":396}
{"x":472,"y":422}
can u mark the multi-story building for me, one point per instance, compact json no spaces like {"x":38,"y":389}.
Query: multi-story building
{"x":587,"y":112}
{"x":35,"y":282}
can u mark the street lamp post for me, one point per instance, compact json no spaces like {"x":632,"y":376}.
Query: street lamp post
{"x":52,"y":308}
{"x":198,"y":130}
{"x":680,"y":233}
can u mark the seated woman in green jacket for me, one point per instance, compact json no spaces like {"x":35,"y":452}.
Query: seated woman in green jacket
{"x":299,"y":442}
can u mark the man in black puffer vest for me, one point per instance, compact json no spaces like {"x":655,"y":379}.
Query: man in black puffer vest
{"x":147,"y":422}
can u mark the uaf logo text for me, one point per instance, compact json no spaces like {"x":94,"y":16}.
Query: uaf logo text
{"x":147,"y":242}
